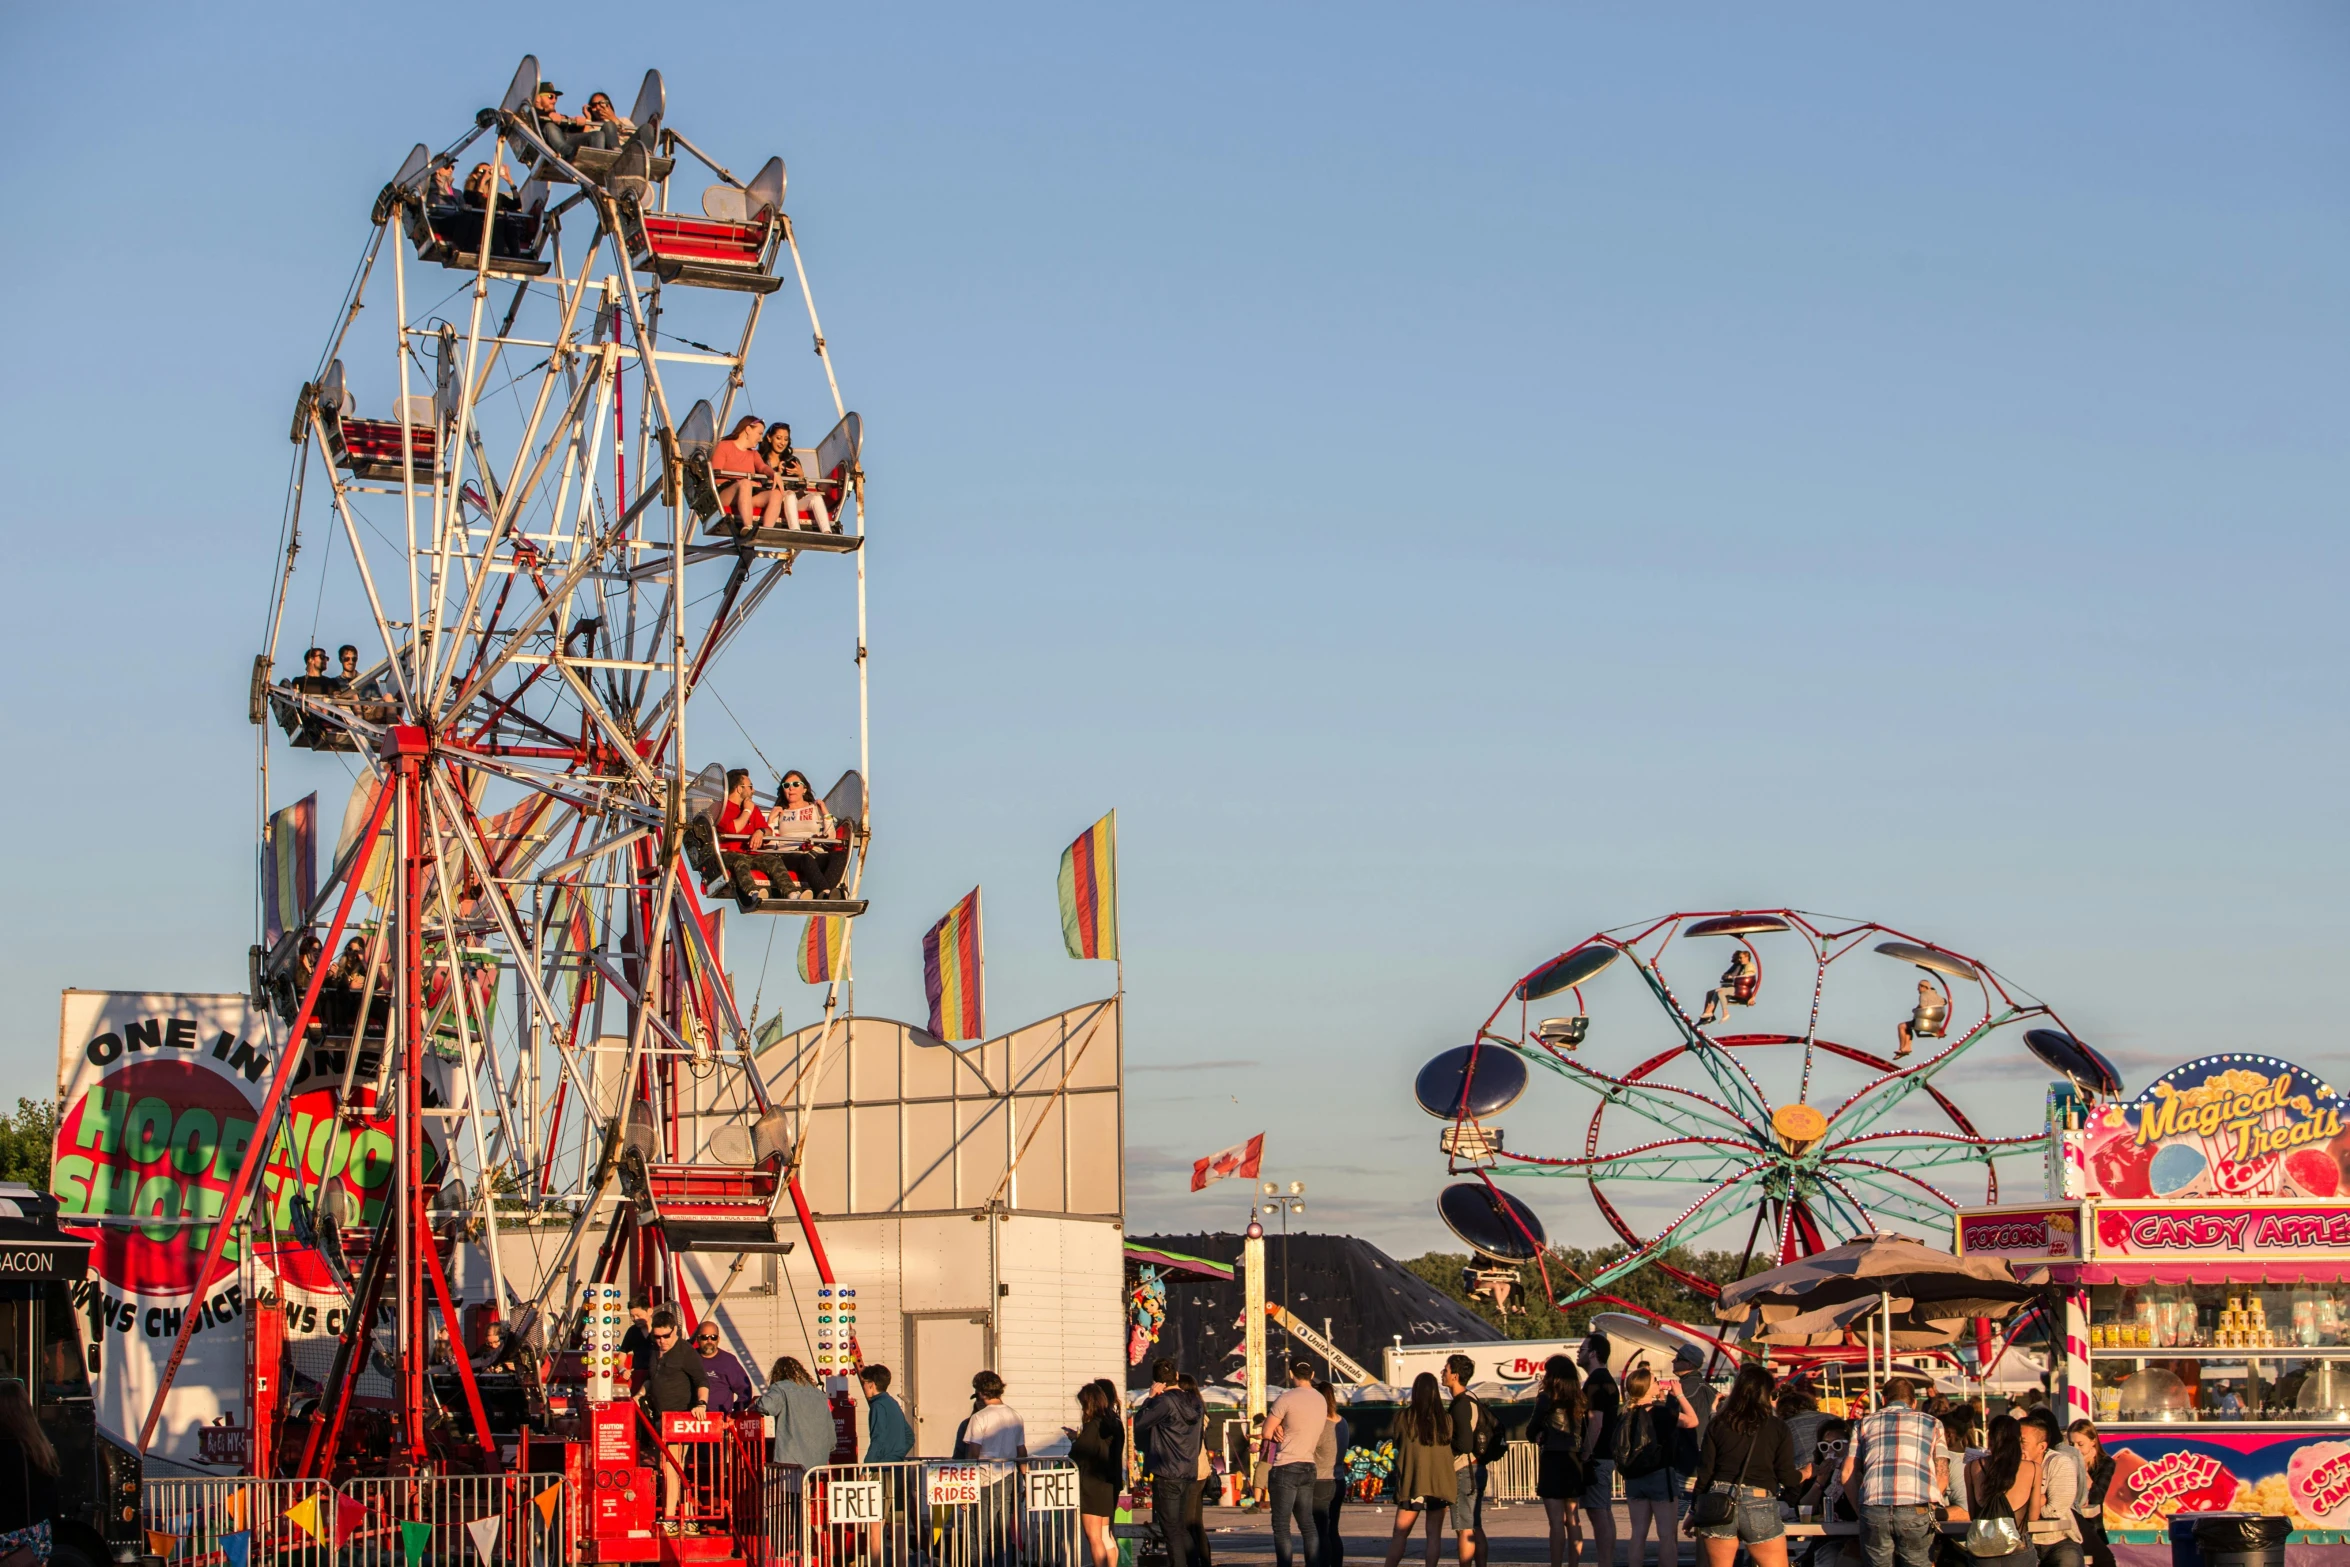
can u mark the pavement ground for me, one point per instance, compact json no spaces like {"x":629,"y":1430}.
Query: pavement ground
{"x":1515,"y":1532}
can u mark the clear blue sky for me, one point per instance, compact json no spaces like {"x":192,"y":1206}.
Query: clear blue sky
{"x":1454,"y":478}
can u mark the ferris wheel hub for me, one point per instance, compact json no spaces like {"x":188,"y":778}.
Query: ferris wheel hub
{"x":1798,"y":1126}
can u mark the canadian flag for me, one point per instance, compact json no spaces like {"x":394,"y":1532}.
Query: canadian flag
{"x":1239,"y":1159}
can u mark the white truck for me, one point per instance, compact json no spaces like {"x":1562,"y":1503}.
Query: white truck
{"x":1516,"y":1364}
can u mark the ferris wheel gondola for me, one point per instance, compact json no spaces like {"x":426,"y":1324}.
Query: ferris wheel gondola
{"x":520,"y":927}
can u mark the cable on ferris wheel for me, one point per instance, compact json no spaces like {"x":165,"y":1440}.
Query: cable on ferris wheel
{"x":540,"y":499}
{"x":1725,"y":1123}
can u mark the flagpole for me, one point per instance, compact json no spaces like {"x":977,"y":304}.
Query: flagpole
{"x":1115,"y":924}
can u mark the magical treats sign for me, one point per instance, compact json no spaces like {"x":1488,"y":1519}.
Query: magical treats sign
{"x":2235,"y":1125}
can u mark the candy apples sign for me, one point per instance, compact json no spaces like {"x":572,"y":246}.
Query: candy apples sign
{"x":2234,"y":1125}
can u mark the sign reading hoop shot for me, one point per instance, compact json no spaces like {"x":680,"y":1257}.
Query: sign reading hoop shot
{"x":159,"y":1094}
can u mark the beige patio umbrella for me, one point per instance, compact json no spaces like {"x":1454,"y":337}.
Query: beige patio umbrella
{"x":1831,"y":1325}
{"x":1891,"y":1276}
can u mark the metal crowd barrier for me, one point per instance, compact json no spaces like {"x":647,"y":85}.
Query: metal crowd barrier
{"x":360,"y":1523}
{"x":929,"y":1513}
{"x":717,"y":1464}
{"x":1510,"y":1478}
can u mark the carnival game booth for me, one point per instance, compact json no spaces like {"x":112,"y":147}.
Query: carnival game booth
{"x":2196,"y":1242}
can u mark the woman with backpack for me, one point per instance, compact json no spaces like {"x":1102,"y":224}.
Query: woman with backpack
{"x":1745,"y":1462}
{"x":1557,"y":1429}
{"x":1655,"y":1409}
{"x":1423,"y":1469}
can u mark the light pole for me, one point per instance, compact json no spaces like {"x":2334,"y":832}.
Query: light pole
{"x":1286,"y":1203}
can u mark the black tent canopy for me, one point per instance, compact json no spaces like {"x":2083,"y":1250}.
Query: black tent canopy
{"x":1369,"y":1298}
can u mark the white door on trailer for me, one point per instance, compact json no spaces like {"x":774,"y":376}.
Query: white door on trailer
{"x":948,"y":1351}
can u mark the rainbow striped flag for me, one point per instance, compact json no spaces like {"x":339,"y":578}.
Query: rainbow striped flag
{"x":1089,"y":891}
{"x":289,"y":867}
{"x":820,"y":948}
{"x":952,"y":968}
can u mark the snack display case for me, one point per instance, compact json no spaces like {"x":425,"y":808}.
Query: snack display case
{"x":2195,"y":1240}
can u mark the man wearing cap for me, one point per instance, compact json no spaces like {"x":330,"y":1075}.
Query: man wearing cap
{"x":563,"y":132}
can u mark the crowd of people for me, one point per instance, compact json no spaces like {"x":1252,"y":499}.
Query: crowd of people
{"x":761,"y":481}
{"x":1728,"y":1472}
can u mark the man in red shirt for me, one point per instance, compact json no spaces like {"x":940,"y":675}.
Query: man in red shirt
{"x":742,"y":829}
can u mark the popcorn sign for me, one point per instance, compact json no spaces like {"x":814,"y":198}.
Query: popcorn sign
{"x":836,"y":1331}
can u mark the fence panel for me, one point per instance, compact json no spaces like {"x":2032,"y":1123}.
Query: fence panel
{"x":1510,"y":1478}
{"x":980,"y":1513}
{"x":362,"y":1523}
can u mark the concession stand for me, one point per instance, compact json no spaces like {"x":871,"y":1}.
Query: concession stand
{"x":2195,"y":1244}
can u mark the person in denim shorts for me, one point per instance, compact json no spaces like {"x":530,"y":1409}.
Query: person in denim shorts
{"x":1748,"y":1455}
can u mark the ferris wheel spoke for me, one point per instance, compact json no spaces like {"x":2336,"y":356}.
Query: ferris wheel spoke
{"x":1729,"y":1076}
{"x":502,"y":910}
{"x":1639,"y":1167}
{"x":1833,"y":1196}
{"x":1889,"y":1092}
{"x":1893,"y":1179}
{"x":1700,"y":1218}
{"x":1912,"y":1205}
{"x":1926,"y":1150}
{"x":1676,"y":1109}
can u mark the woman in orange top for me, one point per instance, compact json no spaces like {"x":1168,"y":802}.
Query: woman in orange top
{"x":739,"y":469}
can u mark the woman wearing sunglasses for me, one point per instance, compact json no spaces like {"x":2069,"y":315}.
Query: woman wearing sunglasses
{"x":801,"y":832}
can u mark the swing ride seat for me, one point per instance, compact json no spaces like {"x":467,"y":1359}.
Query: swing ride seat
{"x":717,"y":881}
{"x":704,"y":252}
{"x":1930,"y":1022}
{"x":1743,"y":989}
{"x":305,"y":729}
{"x":702,"y":493}
{"x":707,"y":1207}
{"x":831,"y":467}
{"x":597,"y":162}
{"x":451,"y":235}
{"x":370,"y":448}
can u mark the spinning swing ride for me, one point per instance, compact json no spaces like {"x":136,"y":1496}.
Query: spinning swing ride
{"x":1795,"y":1136}
{"x":512,"y":449}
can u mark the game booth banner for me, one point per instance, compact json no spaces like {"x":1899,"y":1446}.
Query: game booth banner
{"x":2200,"y":1233}
{"x":159,"y":1096}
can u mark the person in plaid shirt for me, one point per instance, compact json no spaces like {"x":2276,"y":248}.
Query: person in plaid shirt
{"x":1894,"y":1452}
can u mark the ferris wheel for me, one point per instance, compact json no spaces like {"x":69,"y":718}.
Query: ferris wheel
{"x":538,"y":491}
{"x":1753,"y":1116}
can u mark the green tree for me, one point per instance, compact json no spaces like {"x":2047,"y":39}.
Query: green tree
{"x":25,"y":1140}
{"x":1532,"y":1316}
